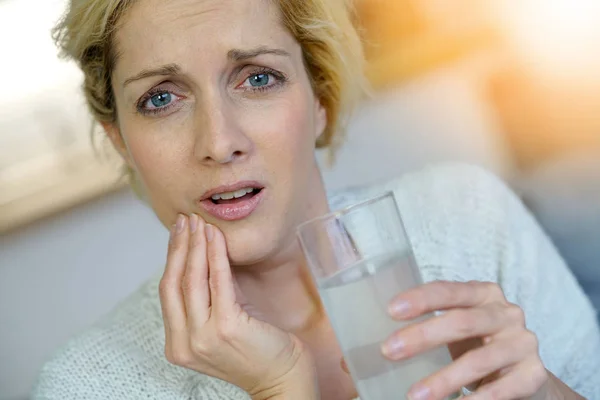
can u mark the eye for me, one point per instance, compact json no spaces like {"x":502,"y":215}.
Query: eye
{"x":262,"y":79}
{"x":259,"y":80}
{"x":159,"y":100}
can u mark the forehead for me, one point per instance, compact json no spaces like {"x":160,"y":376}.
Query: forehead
{"x":161,"y":32}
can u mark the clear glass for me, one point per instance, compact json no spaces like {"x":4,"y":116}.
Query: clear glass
{"x":361,"y":258}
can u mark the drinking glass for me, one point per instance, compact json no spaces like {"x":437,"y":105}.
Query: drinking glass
{"x":361,"y":258}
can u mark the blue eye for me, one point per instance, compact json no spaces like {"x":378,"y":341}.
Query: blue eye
{"x":262,"y":79}
{"x":161,"y":99}
{"x":259,"y":80}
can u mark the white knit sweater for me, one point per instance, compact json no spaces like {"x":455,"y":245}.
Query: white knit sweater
{"x":463,"y":224}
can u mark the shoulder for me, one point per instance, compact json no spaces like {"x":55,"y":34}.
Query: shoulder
{"x":458,"y":218}
{"x":439,"y":187}
{"x":454,"y":192}
{"x":122,"y":356}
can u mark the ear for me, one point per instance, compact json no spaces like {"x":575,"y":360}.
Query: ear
{"x":114,"y":134}
{"x":320,"y":119}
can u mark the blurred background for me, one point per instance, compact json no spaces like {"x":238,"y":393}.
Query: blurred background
{"x":510,"y":85}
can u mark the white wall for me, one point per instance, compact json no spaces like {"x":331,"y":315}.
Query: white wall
{"x":442,"y":116}
{"x":59,"y":275}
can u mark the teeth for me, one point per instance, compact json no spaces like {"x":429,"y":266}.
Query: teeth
{"x":231,"y":195}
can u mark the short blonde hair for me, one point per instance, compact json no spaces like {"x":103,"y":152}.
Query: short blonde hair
{"x":324,"y":29}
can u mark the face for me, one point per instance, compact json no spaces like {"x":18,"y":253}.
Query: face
{"x":214,"y":102}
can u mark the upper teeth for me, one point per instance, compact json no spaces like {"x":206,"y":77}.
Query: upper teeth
{"x":232,"y":195}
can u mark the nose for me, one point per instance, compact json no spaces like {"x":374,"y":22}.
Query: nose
{"x":219,"y":137}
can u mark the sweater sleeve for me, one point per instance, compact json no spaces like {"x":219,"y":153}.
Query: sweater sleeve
{"x":74,"y":375}
{"x":122,"y":357}
{"x":474,"y":227}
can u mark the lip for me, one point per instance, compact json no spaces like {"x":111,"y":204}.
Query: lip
{"x":236,"y":211}
{"x":231,"y":188}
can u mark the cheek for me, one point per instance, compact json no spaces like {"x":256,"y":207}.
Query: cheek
{"x":285,"y":132}
{"x":157,"y":158}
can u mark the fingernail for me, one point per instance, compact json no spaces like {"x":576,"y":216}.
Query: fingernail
{"x":345,"y":366}
{"x":180,"y":223}
{"x":193,"y":223}
{"x":399,"y":309}
{"x":419,"y":392}
{"x":393,"y":347}
{"x":210,"y":233}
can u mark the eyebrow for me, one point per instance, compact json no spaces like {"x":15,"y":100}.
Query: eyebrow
{"x":241,"y":55}
{"x":169,"y":69}
{"x":233,"y":55}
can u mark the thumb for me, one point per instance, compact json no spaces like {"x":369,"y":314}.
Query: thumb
{"x":345,"y":368}
{"x":239,"y":295}
{"x":243,"y":302}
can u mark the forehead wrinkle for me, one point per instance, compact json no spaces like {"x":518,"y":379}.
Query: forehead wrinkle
{"x":143,"y":15}
{"x":151,"y":17}
{"x":191,"y":14}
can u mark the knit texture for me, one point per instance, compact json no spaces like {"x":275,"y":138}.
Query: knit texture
{"x":463,"y":224}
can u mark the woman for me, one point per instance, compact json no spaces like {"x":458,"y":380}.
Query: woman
{"x":215,"y":106}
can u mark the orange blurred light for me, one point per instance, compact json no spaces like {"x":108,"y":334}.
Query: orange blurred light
{"x":556,"y":37}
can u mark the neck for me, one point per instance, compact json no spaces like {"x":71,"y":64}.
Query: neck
{"x":284,"y":295}
{"x":281,"y":287}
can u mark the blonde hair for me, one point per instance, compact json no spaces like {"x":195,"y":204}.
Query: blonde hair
{"x":324,"y":28}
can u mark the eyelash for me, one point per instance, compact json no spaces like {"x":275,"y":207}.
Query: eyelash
{"x":154,"y":111}
{"x":280,"y":79}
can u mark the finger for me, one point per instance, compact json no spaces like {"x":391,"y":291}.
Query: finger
{"x":454,"y":326}
{"x":222,"y":292}
{"x":438,"y":296}
{"x":195,"y":280}
{"x":478,"y":364}
{"x":522,"y":382}
{"x":171,"y":298}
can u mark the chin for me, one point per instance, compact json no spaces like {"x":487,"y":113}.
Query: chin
{"x":244,"y":251}
{"x":252,"y":245}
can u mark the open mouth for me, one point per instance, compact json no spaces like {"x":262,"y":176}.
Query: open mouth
{"x":233,"y":202}
{"x":236,"y":197}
